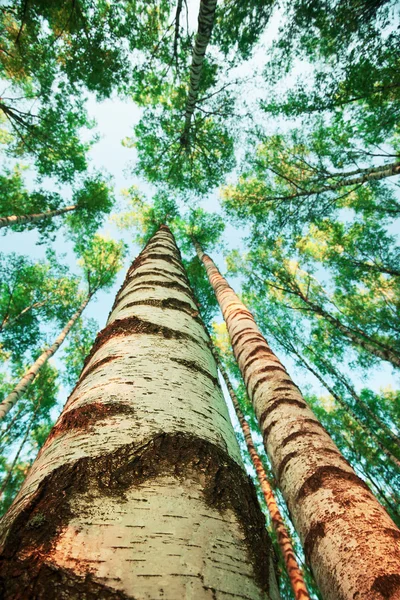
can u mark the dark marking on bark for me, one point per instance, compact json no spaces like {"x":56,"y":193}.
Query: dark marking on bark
{"x":297,"y":434}
{"x":162,"y":284}
{"x":233,"y":314}
{"x":316,"y":533}
{"x":132,"y":325}
{"x":267,"y":430}
{"x":96,"y":365}
{"x":257,"y":349}
{"x":224,"y":483}
{"x":84,"y":417}
{"x":261,"y":355}
{"x":275,"y":366}
{"x":284,"y":462}
{"x":387,"y":586}
{"x":277,"y":403}
{"x":315,"y":422}
{"x":261,"y":380}
{"x":243,"y":347}
{"x":171,"y":303}
{"x":393,"y":533}
{"x":158,"y":271}
{"x":327,"y":474}
{"x":55,"y":583}
{"x":238,"y":336}
{"x":193,"y":366}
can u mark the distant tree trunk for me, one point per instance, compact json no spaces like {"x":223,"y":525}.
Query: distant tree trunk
{"x":374,"y":268}
{"x":7,"y":321}
{"x":177,"y":26}
{"x":205,"y":26}
{"x":358,"y":337}
{"x":364,"y":176}
{"x":288,"y":345}
{"x":24,"y":383}
{"x":10,"y":424}
{"x":18,"y":220}
{"x":291,"y":349}
{"x":379,"y":491}
{"x":349,"y":539}
{"x":364,"y":407}
{"x":285,"y":543}
{"x":139,"y":491}
{"x":17,"y":454}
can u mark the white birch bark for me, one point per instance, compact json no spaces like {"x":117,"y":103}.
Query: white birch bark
{"x":24,"y":383}
{"x":139,"y":491}
{"x":18,"y":220}
{"x":349,"y":539}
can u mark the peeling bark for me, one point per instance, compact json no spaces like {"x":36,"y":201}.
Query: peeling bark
{"x":350,"y":541}
{"x":139,"y":492}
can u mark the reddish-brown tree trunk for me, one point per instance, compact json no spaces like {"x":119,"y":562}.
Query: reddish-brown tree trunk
{"x":349,"y":539}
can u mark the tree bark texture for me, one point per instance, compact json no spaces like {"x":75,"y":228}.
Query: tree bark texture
{"x":205,"y":26}
{"x":287,"y":344}
{"x":294,"y":571}
{"x":349,"y":540}
{"x":18,"y":220}
{"x":139,"y":492}
{"x":24,"y":383}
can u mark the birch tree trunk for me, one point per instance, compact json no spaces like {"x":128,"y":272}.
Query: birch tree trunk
{"x":358,"y":337}
{"x":11,"y":468}
{"x":18,"y":220}
{"x":24,"y":383}
{"x":287,"y":344}
{"x":349,"y":539}
{"x":285,"y":543}
{"x":139,"y":492}
{"x":205,"y":26}
{"x":364,"y":176}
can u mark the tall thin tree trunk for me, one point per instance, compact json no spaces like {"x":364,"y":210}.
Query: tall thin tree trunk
{"x":285,"y":543}
{"x":18,"y":220}
{"x":24,"y":383}
{"x":205,"y":26}
{"x":139,"y":492}
{"x":288,"y":345}
{"x":358,"y":337}
{"x":364,"y":406}
{"x":7,"y":322}
{"x":375,"y":268}
{"x":17,"y":454}
{"x":179,"y":6}
{"x":349,"y":539}
{"x":365,"y":176}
